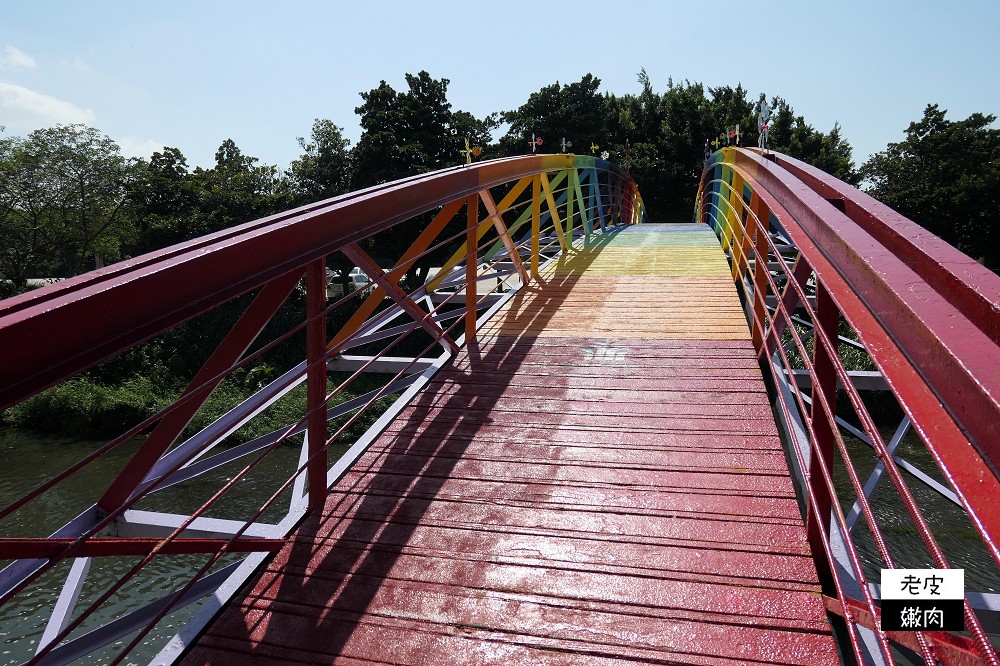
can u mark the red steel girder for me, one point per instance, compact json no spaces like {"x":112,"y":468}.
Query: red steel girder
{"x":402,"y":299}
{"x":970,"y":286}
{"x":229,"y":351}
{"x":971,"y":477}
{"x":107,"y":547}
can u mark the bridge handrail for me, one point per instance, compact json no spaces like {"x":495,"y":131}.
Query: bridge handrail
{"x":971,"y":287}
{"x":910,"y":331}
{"x":150,"y":294}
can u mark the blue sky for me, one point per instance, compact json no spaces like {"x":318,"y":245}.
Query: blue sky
{"x":191,"y":74}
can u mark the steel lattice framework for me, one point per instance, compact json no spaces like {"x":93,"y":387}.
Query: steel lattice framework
{"x":822,"y":267}
{"x":519,"y":213}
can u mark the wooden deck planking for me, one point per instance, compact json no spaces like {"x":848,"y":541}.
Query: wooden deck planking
{"x":599,"y":480}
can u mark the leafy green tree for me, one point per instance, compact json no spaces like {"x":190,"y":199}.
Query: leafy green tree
{"x":944,"y":175}
{"x":22,"y":241}
{"x":164,"y":198}
{"x":323,"y":171}
{"x":412,"y":132}
{"x":575,"y":112}
{"x":324,"y":168}
{"x":66,"y":188}
{"x":236,"y":190}
{"x":792,"y":135}
{"x":404,"y":134}
{"x":666,"y":135}
{"x":732,"y":107}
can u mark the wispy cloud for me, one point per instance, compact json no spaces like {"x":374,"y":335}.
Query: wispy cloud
{"x":139,"y":148}
{"x":76,"y":63}
{"x":15,"y":58}
{"x":25,"y":109}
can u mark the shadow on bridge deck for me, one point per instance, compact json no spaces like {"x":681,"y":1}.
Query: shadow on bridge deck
{"x":598,"y":479}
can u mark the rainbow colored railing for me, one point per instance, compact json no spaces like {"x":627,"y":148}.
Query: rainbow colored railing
{"x":519,"y":212}
{"x":827,"y":273}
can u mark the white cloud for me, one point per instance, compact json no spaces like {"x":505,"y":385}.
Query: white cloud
{"x":15,"y":58}
{"x":138,"y":148}
{"x":76,"y":63}
{"x":25,"y":110}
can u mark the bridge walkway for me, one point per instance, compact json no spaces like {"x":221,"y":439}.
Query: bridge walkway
{"x":598,"y":480}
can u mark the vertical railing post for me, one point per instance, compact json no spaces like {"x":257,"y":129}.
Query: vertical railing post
{"x":316,"y":378}
{"x":736,"y":218}
{"x":824,"y":392}
{"x":471,"y":269}
{"x":760,"y":225}
{"x":536,"y":222}
{"x":570,"y":213}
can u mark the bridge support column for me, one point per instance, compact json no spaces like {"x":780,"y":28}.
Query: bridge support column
{"x":316,"y":433}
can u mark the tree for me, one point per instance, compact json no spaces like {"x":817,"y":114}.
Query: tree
{"x":324,"y":168}
{"x":164,"y":199}
{"x":68,"y":186}
{"x":792,"y":135}
{"x":412,"y":132}
{"x":944,"y":176}
{"x":575,"y":112}
{"x":404,"y":134}
{"x":23,"y":243}
{"x":236,"y":190}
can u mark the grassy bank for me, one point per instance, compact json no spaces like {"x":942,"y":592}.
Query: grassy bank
{"x":85,"y":405}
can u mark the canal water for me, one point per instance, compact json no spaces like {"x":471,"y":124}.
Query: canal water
{"x":28,"y":461}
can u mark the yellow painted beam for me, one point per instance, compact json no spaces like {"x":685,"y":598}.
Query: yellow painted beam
{"x":481,"y":230}
{"x":556,"y":222}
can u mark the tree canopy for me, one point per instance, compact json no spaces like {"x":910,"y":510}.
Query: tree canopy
{"x":62,"y":205}
{"x":944,"y":175}
{"x":69,"y":201}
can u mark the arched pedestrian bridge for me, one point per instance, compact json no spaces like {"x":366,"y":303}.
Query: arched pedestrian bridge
{"x":593,"y":439}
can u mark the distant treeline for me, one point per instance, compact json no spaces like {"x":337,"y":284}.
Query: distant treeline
{"x":70,"y":202}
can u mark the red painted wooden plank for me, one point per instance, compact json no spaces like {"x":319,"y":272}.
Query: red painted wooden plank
{"x":792,"y":571}
{"x":547,"y":452}
{"x":567,"y":433}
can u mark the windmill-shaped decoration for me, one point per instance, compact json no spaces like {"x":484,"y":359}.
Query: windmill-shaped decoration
{"x":535,"y":141}
{"x":605,"y":154}
{"x":566,"y":144}
{"x":735,"y":136}
{"x":469,"y":153}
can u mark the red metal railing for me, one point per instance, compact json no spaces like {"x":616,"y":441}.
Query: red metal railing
{"x":822,"y":268}
{"x":534,"y":208}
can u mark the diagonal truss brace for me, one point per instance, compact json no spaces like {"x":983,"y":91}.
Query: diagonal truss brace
{"x":402,"y":299}
{"x":508,"y":243}
{"x":235,"y":344}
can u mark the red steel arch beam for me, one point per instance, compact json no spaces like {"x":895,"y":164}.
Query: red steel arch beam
{"x":970,"y":286}
{"x":952,"y":350}
{"x":60,"y":330}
